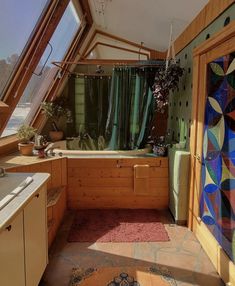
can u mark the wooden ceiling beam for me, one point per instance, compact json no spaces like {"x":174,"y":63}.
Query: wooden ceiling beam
{"x":115,"y":47}
{"x":154,"y":54}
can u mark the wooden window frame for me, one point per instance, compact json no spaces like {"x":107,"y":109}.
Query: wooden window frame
{"x":50,"y":21}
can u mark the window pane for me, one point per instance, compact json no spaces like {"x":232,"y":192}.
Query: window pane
{"x":18,"y":19}
{"x":38,"y":85}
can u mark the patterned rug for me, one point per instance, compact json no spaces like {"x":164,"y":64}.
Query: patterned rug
{"x":122,"y":276}
{"x":117,"y":226}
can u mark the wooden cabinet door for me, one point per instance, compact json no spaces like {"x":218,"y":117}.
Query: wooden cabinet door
{"x":35,"y":238}
{"x":12,"y":253}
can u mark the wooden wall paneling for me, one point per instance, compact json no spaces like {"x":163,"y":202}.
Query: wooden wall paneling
{"x":56,"y":173}
{"x":217,"y":39}
{"x":64,"y":172}
{"x":155,"y":172}
{"x":99,"y":173}
{"x":129,"y":202}
{"x":101,"y":182}
{"x":153,"y":162}
{"x":210,"y":12}
{"x":95,"y":163}
{"x":45,"y":167}
{"x":106,"y":183}
{"x":78,"y":192}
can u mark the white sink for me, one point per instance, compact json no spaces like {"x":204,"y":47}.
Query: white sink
{"x":11,"y":185}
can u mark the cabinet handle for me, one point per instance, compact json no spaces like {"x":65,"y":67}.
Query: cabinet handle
{"x":8,"y":227}
{"x":37,"y":195}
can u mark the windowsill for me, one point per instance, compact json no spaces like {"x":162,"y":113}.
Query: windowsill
{"x":16,"y":160}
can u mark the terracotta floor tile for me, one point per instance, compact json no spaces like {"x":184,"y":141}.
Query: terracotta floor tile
{"x":182,"y":256}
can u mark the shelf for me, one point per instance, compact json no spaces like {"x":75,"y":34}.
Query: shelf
{"x":53,"y":196}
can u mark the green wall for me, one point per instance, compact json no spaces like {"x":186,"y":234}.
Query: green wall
{"x":179,"y":119}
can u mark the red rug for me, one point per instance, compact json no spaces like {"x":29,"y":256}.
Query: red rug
{"x":117,"y":226}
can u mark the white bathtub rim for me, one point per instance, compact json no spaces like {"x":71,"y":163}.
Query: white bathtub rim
{"x":101,"y":152}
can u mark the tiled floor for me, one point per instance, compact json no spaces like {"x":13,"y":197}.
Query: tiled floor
{"x":182,"y":255}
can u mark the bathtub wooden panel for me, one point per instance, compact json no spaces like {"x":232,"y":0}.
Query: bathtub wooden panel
{"x":154,"y":172}
{"x":128,"y":202}
{"x":109,"y":183}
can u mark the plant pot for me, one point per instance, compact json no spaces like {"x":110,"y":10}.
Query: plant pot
{"x":160,"y":150}
{"x":56,"y":135}
{"x":26,"y":149}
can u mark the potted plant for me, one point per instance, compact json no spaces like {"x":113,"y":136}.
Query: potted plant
{"x":166,"y":80}
{"x":25,"y":134}
{"x":54,"y":110}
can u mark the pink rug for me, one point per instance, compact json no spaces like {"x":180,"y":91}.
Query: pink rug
{"x":117,"y":226}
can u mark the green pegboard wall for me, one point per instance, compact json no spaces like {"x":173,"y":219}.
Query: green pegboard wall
{"x":180,"y":103}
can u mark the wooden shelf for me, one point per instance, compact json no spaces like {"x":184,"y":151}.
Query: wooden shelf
{"x":56,"y":206}
{"x":53,"y":196}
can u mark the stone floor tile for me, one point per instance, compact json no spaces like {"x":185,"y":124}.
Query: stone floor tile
{"x":182,"y":256}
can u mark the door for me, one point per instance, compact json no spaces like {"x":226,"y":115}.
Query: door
{"x":212,"y":197}
{"x":217,"y":200}
{"x":35,"y":238}
{"x":12,"y":253}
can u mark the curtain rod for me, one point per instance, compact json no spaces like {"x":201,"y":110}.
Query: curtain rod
{"x":112,"y":63}
{"x":90,"y":74}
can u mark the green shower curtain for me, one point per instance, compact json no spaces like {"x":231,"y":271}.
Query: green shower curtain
{"x":119,"y":108}
{"x":96,"y":104}
{"x":130,"y":108}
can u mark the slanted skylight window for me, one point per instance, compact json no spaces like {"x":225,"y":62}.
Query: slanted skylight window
{"x":18,"y":20}
{"x":41,"y":80}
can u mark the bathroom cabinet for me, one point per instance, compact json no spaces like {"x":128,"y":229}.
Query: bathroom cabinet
{"x":23,"y":244}
{"x":12,"y":253}
{"x":35,"y":238}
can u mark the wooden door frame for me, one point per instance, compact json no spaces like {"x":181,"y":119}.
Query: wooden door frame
{"x":221,"y":44}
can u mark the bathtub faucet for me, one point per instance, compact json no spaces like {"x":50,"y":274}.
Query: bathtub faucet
{"x":49,"y":150}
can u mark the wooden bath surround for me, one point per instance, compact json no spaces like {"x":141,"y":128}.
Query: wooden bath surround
{"x":118,"y":183}
{"x":80,"y":183}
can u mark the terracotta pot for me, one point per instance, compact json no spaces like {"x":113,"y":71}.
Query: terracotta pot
{"x":56,"y":135}
{"x":26,"y":149}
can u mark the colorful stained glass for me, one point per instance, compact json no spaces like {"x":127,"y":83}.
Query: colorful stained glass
{"x":217,"y":204}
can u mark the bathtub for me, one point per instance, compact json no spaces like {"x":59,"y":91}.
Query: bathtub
{"x":60,"y":148}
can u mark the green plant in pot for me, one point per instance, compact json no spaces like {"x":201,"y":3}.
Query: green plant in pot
{"x":54,"y":110}
{"x":25,"y":134}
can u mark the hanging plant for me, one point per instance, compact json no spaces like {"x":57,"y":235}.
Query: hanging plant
{"x":166,"y":80}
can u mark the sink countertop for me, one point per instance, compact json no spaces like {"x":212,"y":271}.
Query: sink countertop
{"x":22,"y":199}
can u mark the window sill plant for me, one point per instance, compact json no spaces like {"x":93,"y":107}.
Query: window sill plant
{"x":25,"y":134}
{"x":54,"y":111}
